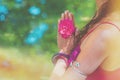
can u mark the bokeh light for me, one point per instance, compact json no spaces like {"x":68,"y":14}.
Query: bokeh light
{"x":31,"y":39}
{"x":3,"y":12}
{"x":2,"y":17}
{"x":34,"y":10}
{"x":3,"y":9}
{"x":18,"y":1}
{"x":36,"y":34}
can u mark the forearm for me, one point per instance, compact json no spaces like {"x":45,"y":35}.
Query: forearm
{"x":71,"y":74}
{"x":58,"y":70}
{"x":61,"y":64}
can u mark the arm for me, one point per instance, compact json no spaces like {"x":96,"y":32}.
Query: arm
{"x":58,"y":70}
{"x":93,"y":53}
{"x":65,"y":45}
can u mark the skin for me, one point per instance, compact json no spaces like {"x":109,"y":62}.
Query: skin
{"x":60,"y":66}
{"x":106,"y":36}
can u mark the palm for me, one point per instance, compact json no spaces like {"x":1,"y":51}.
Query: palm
{"x":69,"y":42}
{"x":61,"y":41}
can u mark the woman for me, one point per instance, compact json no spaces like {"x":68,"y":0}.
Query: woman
{"x":99,"y":44}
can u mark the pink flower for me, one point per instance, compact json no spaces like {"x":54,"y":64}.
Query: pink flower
{"x":66,"y":28}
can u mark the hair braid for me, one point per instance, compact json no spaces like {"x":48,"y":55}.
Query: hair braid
{"x":96,"y":18}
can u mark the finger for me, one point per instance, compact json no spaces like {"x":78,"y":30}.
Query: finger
{"x":77,"y":32}
{"x":59,"y":21}
{"x":58,"y":25}
{"x":62,"y":16}
{"x":71,"y":17}
{"x":66,"y":14}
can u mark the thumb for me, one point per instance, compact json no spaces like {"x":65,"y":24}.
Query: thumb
{"x":77,"y":32}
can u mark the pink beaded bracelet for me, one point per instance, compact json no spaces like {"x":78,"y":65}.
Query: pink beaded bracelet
{"x":74,"y":54}
{"x":67,"y":58}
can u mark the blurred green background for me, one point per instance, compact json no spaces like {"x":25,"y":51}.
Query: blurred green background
{"x":28,"y":31}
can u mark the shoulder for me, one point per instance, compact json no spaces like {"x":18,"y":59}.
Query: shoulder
{"x":105,"y":31}
{"x":100,"y":36}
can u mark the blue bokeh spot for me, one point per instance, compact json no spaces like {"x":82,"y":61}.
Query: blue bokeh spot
{"x":34,"y":10}
{"x":43,"y":27}
{"x":31,"y":40}
{"x":18,"y":1}
{"x":2,"y":17}
{"x":36,"y":34}
{"x":3,"y":9}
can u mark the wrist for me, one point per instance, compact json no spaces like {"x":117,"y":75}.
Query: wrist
{"x":60,"y":67}
{"x":60,"y":57}
{"x":61,"y":63}
{"x":65,"y":51}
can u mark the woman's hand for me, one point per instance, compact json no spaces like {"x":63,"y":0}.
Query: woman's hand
{"x":66,"y":43}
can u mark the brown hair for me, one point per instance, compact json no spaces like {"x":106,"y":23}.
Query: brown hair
{"x":96,"y":18}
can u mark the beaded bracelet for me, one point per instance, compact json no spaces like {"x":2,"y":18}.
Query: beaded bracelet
{"x":74,"y":54}
{"x":67,"y":58}
{"x":63,"y":56}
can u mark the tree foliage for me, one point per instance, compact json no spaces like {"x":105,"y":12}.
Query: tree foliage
{"x":17,"y":24}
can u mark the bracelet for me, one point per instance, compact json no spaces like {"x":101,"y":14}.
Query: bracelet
{"x":74,"y":54}
{"x":63,"y":56}
{"x":75,"y":67}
